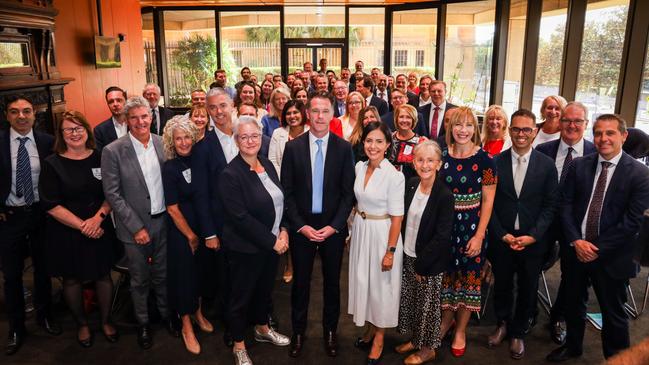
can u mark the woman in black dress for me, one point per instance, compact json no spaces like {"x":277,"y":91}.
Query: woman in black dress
{"x":81,"y":241}
{"x":187,"y":200}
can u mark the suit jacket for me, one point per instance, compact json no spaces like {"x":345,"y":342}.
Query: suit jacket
{"x":413,"y":99}
{"x":44,"y":145}
{"x":433,"y":245}
{"x":335,"y":106}
{"x":125,"y":188}
{"x":165,"y":115}
{"x":423,"y":129}
{"x":338,"y":193}
{"x":379,"y":104}
{"x":389,"y":95}
{"x":388,"y":119}
{"x":209,"y":154}
{"x":249,"y":209}
{"x":535,"y":206}
{"x":551,"y":148}
{"x":625,"y":201}
{"x":104,"y":134}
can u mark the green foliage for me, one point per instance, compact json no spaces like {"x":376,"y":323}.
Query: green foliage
{"x":196,"y":58}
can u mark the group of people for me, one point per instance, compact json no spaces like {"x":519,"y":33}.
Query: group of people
{"x":203,"y":205}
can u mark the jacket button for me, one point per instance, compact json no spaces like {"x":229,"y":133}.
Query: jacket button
{"x":148,"y":197}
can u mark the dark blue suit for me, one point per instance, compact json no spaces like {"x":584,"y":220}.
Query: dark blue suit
{"x":626,"y":198}
{"x":104,"y":134}
{"x":423,"y":129}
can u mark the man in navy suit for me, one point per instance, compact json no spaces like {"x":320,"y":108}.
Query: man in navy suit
{"x":318,"y":180}
{"x":603,"y":199}
{"x":568,"y":147}
{"x":401,"y":82}
{"x":365,"y":87}
{"x":398,"y":98}
{"x":115,"y":126}
{"x":340,"y":98}
{"x":22,"y":219}
{"x":159,"y":114}
{"x":432,"y":126}
{"x":524,"y":207}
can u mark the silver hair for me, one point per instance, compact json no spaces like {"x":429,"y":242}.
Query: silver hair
{"x":429,"y":145}
{"x":217,"y":91}
{"x":178,"y":122}
{"x":579,"y":105}
{"x":243,"y":120}
{"x":157,"y":88}
{"x":136,"y":102}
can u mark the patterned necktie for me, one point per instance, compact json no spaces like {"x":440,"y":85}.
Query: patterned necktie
{"x":433,"y":124}
{"x":595,"y":209}
{"x":154,"y":122}
{"x":317,"y":180}
{"x":519,"y":177}
{"x":381,"y":94}
{"x":24,"y":184}
{"x":566,"y":163}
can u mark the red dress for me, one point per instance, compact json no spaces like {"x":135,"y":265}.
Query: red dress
{"x":494,"y":147}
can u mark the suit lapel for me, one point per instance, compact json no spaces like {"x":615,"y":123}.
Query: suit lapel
{"x":617,"y":180}
{"x":555,"y":150}
{"x":307,"y":158}
{"x":506,"y":173}
{"x":129,"y":151}
{"x":589,"y":176}
{"x":529,"y":174}
{"x":6,"y":154}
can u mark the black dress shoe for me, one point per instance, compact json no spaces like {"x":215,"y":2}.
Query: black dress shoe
{"x":296,"y":345}
{"x":144,"y":337}
{"x":362,"y":345}
{"x":375,"y":361}
{"x":331,"y":344}
{"x":14,"y":341}
{"x":173,"y":327}
{"x":561,"y":354}
{"x":50,"y":326}
{"x":227,"y":339}
{"x":558,"y":332}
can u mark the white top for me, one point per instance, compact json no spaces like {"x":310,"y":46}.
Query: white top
{"x":525,"y":161}
{"x":385,"y":95}
{"x":313,"y":149}
{"x":415,"y":212}
{"x":611,"y":169}
{"x":276,"y":147}
{"x":150,"y":166}
{"x":440,"y":116}
{"x":278,"y":199}
{"x":35,"y":164}
{"x":230,"y":149}
{"x":347,"y":128}
{"x":120,"y":128}
{"x":423,"y":102}
{"x":562,"y":152}
{"x":543,"y":137}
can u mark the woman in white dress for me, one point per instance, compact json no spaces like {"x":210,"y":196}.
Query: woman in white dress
{"x":376,"y":250}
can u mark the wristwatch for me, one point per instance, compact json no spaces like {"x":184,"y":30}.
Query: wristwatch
{"x":392,"y":249}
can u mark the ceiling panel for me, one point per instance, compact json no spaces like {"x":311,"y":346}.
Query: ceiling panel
{"x":161,"y":3}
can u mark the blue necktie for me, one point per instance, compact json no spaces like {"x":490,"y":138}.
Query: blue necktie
{"x":317,"y":180}
{"x":24,"y":185}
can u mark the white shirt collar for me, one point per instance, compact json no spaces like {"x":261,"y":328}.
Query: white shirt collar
{"x":313,"y":138}
{"x":13,"y":135}
{"x":578,"y":147}
{"x":526,"y":156}
{"x":615,"y":160}
{"x":139,"y":144}
{"x":441,"y":106}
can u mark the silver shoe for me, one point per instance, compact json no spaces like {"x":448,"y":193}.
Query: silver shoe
{"x":241,"y":357}
{"x":273,"y":337}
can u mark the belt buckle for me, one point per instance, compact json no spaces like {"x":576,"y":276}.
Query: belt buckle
{"x":363,"y":215}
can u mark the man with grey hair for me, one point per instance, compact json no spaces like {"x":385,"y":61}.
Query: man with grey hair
{"x":132,"y":181}
{"x":159,"y":114}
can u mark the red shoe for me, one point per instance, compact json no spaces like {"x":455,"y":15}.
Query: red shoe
{"x":458,"y":352}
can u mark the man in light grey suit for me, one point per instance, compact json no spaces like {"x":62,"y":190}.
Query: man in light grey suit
{"x":131,"y":175}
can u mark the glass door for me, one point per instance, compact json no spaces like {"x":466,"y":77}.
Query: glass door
{"x":297,"y":53}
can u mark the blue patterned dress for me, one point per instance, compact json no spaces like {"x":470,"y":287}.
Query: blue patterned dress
{"x":461,"y":286}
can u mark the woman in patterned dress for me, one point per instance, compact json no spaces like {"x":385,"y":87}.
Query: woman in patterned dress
{"x":404,"y":140}
{"x":470,"y":174}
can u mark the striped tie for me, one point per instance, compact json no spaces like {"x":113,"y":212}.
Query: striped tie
{"x":24,"y":185}
{"x":595,"y":210}
{"x":566,"y":164}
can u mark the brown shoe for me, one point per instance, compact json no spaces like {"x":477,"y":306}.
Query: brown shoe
{"x":405,"y":348}
{"x":497,"y":336}
{"x":191,"y":343}
{"x":420,"y":357}
{"x":516,"y":348}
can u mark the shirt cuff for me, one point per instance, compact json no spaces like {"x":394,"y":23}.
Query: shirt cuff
{"x":210,"y":237}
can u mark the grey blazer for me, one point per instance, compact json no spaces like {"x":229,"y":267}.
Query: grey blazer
{"x":125,"y":188}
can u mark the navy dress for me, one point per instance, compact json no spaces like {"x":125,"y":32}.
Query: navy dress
{"x":186,"y":184}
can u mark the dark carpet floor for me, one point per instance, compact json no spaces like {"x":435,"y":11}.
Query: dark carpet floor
{"x":40,"y":348}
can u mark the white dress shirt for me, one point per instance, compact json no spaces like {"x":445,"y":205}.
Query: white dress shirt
{"x":230,"y":149}
{"x":423,"y":102}
{"x":525,"y":161}
{"x":148,"y":159}
{"x":313,"y":149}
{"x":562,"y":152}
{"x":120,"y":128}
{"x":13,"y":200}
{"x":609,"y":174}
{"x":440,"y":117}
{"x":416,"y":210}
{"x":385,"y":95}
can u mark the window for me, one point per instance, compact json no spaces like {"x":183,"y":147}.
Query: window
{"x":250,"y":39}
{"x":601,"y":55}
{"x":366,"y":36}
{"x":314,"y":22}
{"x":400,"y":58}
{"x":468,"y":53}
{"x":149,"y":48}
{"x":414,"y":30}
{"x":514,"y":62}
{"x":191,"y":53}
{"x":642,"y":114}
{"x":419,"y":58}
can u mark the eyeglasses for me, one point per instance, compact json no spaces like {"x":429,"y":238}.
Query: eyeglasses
{"x":70,"y":131}
{"x":577,"y":122}
{"x":526,"y":130}
{"x":253,"y":137}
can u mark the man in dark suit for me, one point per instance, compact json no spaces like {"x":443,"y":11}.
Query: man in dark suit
{"x":603,"y":198}
{"x":398,"y":98}
{"x":22,"y":219}
{"x":340,"y":98}
{"x":382,"y":92}
{"x":401,"y":82}
{"x":365,"y":87}
{"x":563,"y":151}
{"x":115,"y":126}
{"x":432,"y":126}
{"x":159,"y":114}
{"x":524,"y":207}
{"x":318,"y":179}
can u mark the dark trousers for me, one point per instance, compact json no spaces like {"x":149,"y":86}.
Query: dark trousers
{"x":303,"y":254}
{"x":526,"y":267}
{"x":611,"y":295}
{"x":558,"y":311}
{"x":253,"y":276}
{"x":22,"y":235}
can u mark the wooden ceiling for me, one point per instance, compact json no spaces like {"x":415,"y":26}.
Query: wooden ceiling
{"x":161,"y":3}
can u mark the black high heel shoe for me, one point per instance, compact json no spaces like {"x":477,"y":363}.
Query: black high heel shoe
{"x":375,"y":361}
{"x":112,"y":338}
{"x":362,"y":344}
{"x":87,"y":342}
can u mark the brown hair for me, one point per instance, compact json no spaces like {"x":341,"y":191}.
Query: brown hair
{"x":621,"y":123}
{"x":406,"y":109}
{"x":78,"y":119}
{"x":461,"y":114}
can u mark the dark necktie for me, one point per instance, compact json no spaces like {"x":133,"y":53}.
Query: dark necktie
{"x":433,"y":124}
{"x":595,"y":209}
{"x":566,"y":163}
{"x":24,"y":184}
{"x":154,"y":122}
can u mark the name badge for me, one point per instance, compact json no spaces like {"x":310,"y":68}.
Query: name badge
{"x":96,"y":172}
{"x":187,"y":174}
{"x":407,"y":150}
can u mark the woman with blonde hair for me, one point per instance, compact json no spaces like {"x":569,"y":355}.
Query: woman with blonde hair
{"x":404,"y":140}
{"x":494,"y":130}
{"x":271,"y":121}
{"x":366,"y":116}
{"x":355,"y":102}
{"x":198,"y":115}
{"x":551,"y":111}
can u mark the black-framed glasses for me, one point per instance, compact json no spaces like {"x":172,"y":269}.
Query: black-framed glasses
{"x":70,"y":131}
{"x":526,"y":130}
